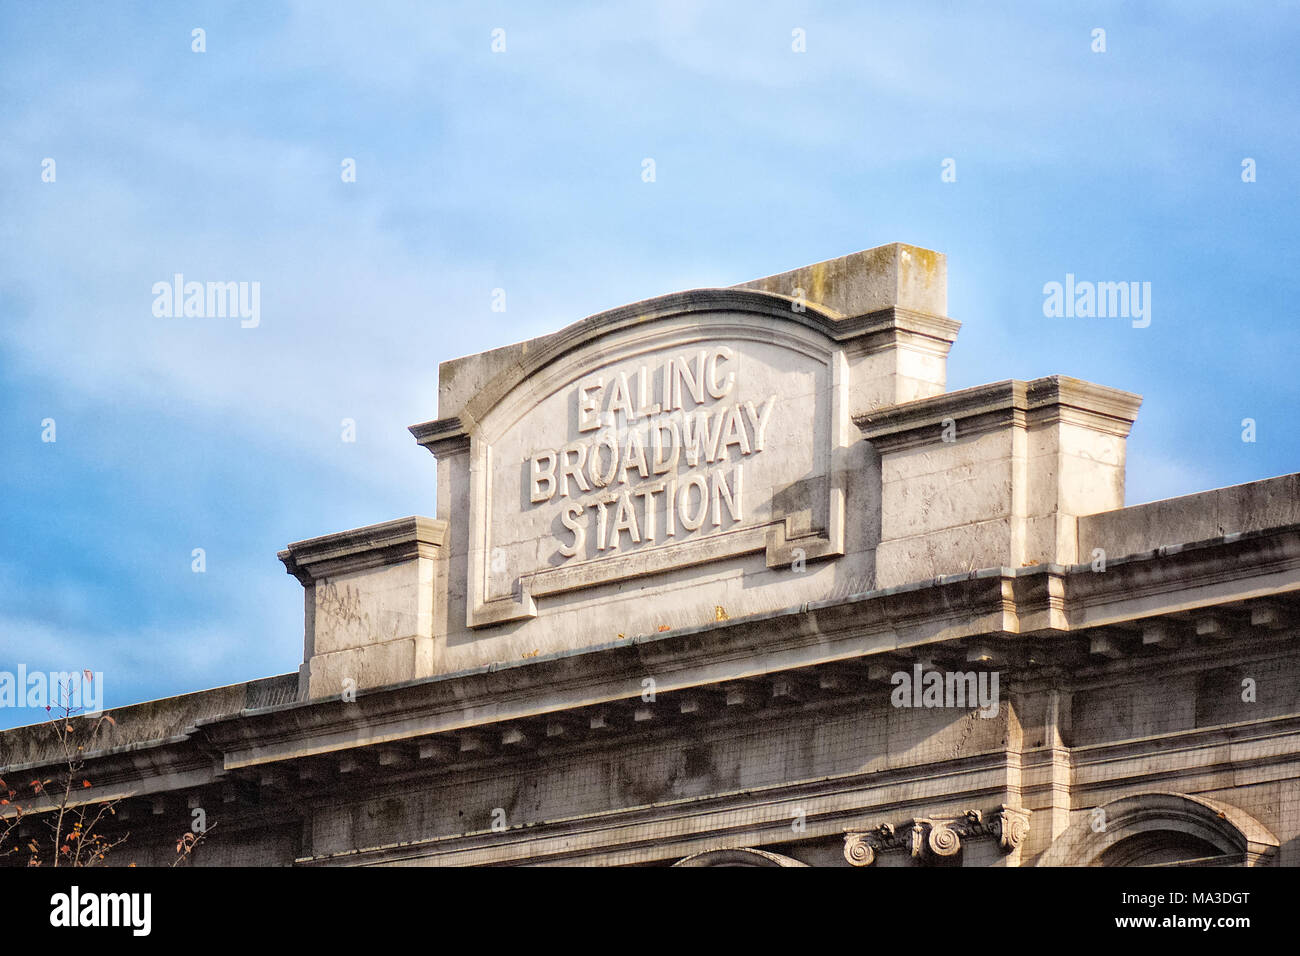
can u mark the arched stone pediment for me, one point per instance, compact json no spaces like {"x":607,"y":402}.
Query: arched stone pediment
{"x":534,"y":356}
{"x":689,"y":429}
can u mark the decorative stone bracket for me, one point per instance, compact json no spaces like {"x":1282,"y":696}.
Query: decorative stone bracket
{"x":930,"y":839}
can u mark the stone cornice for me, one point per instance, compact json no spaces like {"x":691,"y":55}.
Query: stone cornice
{"x":894,"y":325}
{"x":361,"y":548}
{"x":1185,"y":578}
{"x":797,"y":637}
{"x":986,"y":407}
{"x":927,"y":617}
{"x":945,"y":619}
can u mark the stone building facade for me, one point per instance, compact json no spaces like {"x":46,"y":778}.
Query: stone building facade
{"x":729,"y":577}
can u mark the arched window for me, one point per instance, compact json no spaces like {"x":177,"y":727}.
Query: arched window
{"x":1163,"y":829}
{"x":742,"y":856}
{"x":1166,"y":848}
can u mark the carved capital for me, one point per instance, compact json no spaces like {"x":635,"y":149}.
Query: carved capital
{"x":944,"y":840}
{"x":857,"y":850}
{"x":934,"y":839}
{"x":916,"y":834}
{"x":1011,"y":824}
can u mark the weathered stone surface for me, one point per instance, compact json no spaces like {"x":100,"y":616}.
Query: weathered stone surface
{"x":371,"y":604}
{"x":995,"y":475}
{"x":1272,"y":503}
{"x":911,"y":628}
{"x":894,"y":275}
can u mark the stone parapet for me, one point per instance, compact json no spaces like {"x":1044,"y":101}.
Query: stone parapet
{"x":996,"y":476}
{"x":369,"y":597}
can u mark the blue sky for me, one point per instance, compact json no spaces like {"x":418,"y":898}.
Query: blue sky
{"x":522,"y":170}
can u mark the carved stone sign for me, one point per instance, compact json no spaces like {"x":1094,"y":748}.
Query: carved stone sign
{"x":674,"y":446}
{"x":635,"y":471}
{"x":629,"y":451}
